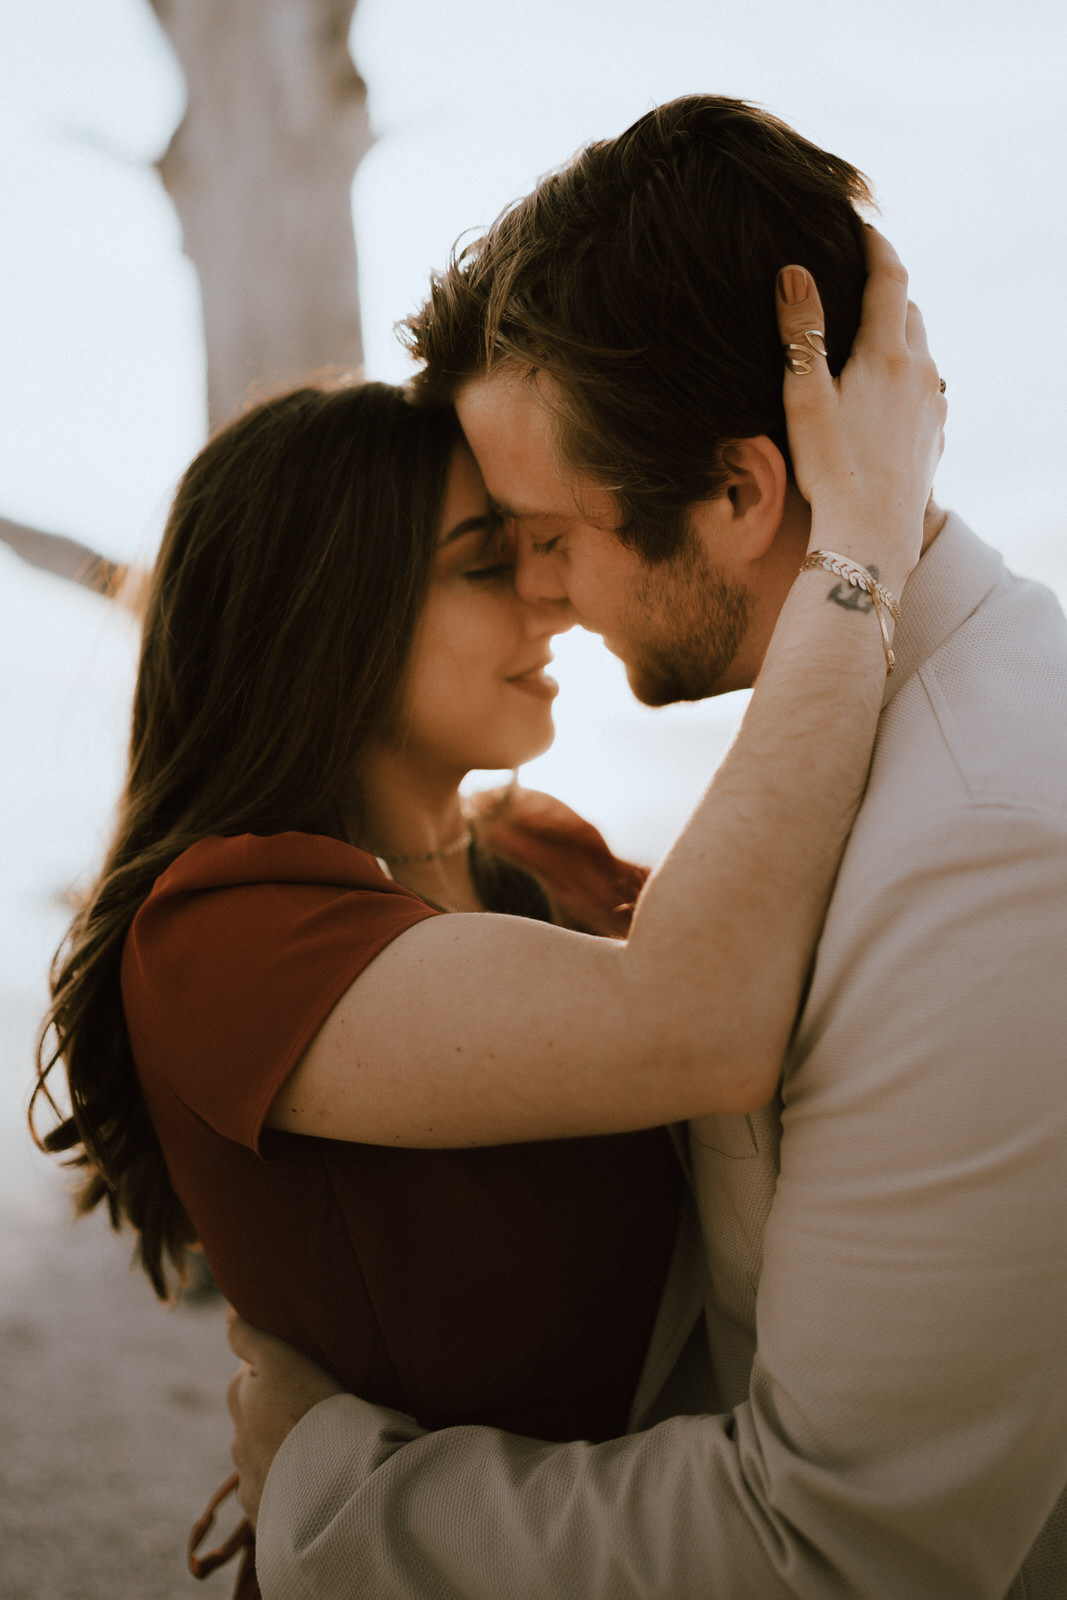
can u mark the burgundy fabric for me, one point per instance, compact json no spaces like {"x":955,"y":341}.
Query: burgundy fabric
{"x":592,"y":890}
{"x":514,"y":1285}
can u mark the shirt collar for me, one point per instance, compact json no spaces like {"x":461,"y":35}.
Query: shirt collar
{"x":952,"y":579}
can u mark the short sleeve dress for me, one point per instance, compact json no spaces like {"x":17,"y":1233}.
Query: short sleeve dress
{"x":515,"y":1285}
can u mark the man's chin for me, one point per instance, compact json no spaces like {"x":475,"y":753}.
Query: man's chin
{"x":659,"y":688}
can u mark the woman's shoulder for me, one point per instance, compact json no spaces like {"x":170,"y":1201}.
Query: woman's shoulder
{"x":239,"y":953}
{"x":592,"y":888}
{"x":277,"y":858}
{"x":287,"y":911}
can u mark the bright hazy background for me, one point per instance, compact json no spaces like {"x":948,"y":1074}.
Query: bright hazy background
{"x":955,"y":108}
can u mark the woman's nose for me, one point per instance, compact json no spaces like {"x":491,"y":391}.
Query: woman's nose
{"x":547,"y":617}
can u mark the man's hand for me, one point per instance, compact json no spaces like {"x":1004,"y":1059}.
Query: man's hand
{"x":268,"y":1394}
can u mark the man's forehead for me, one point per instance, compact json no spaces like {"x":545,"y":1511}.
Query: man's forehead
{"x":513,"y":430}
{"x":509,"y":402}
{"x":512,"y":435}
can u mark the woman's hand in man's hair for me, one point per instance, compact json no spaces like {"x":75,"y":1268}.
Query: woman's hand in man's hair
{"x":865,"y":444}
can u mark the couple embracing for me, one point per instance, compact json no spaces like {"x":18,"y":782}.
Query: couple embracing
{"x":692,"y":1233}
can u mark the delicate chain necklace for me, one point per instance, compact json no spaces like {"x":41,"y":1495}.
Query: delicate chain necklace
{"x":465,"y":840}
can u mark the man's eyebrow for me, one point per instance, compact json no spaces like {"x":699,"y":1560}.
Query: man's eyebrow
{"x":468,"y":525}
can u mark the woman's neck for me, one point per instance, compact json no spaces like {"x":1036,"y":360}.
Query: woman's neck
{"x":413,"y":820}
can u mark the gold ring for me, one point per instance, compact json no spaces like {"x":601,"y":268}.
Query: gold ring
{"x":942,"y":385}
{"x":800,"y":358}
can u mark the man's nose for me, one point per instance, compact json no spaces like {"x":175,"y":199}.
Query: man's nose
{"x":543,"y":596}
{"x":535,"y":575}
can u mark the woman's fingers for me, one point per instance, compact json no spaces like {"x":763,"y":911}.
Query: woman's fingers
{"x":887,"y":322}
{"x":802,"y":326}
{"x":915,"y":331}
{"x":931,"y":387}
{"x":919,"y":350}
{"x":809,"y":392}
{"x":885,"y":297}
{"x":931,"y":383}
{"x":890,"y":320}
{"x":864,"y":445}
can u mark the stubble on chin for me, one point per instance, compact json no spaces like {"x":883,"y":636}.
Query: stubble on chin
{"x":687,"y":625}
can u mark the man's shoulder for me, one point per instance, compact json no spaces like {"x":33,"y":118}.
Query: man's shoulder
{"x":980,"y":721}
{"x":967,"y":796}
{"x":955,"y":876}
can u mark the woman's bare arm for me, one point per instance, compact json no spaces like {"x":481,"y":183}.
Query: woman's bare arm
{"x":472,"y":1030}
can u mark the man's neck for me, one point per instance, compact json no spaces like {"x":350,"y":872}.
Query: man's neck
{"x":933,"y":521}
{"x":779,"y":569}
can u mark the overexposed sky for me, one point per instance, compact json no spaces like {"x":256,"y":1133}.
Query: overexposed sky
{"x":955,"y":109}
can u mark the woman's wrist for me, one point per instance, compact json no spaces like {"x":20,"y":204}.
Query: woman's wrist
{"x":854,"y":581}
{"x":889,"y":557}
{"x":892,"y":578}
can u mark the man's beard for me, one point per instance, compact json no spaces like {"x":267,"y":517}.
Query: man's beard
{"x":700,"y":617}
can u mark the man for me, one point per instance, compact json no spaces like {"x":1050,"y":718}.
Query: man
{"x":882,"y":1356}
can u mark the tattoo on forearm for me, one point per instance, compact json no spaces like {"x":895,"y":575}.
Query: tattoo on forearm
{"x":849,"y":598}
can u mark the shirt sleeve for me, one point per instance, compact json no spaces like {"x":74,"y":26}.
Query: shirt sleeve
{"x":225,"y":983}
{"x":905,"y":1432}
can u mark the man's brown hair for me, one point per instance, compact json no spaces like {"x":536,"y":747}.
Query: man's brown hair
{"x":641,"y":278}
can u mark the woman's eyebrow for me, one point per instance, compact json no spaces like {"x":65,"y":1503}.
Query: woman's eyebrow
{"x":515,"y":514}
{"x":468,"y":525}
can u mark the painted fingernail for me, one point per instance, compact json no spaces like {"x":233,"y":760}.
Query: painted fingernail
{"x":792,"y":285}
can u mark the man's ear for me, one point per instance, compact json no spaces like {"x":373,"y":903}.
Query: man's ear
{"x":749,"y":513}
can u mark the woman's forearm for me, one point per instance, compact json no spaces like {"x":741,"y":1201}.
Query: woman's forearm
{"x":729,"y":921}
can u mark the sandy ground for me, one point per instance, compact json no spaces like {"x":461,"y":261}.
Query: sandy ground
{"x":114,"y":1428}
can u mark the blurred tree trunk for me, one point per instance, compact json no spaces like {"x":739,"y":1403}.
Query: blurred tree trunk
{"x":260,"y":170}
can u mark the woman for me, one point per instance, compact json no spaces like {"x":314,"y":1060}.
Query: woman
{"x":289,"y":1030}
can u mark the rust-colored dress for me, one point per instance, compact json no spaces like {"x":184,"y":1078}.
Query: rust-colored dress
{"x":514,"y":1285}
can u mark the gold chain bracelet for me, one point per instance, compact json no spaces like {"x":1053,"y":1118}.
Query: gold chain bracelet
{"x":859,"y":578}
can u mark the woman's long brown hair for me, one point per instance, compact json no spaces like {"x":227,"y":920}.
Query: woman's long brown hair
{"x":293,"y":570}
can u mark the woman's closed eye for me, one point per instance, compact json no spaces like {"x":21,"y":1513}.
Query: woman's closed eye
{"x":494,"y":559}
{"x":494,"y":572}
{"x":544,"y":547}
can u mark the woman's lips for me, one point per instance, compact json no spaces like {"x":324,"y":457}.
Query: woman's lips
{"x":537,"y":683}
